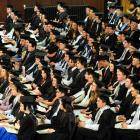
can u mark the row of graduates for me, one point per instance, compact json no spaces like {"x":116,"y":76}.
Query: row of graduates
{"x":96,"y":120}
{"x":79,"y":39}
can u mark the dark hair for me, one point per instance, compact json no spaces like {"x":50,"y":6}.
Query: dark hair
{"x":32,"y":41}
{"x":47,"y":71}
{"x":66,"y":102}
{"x":10,"y":6}
{"x":104,"y":97}
{"x":82,"y":60}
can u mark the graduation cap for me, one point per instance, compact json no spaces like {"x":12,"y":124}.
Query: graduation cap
{"x":134,"y":19}
{"x":136,"y":55}
{"x":123,"y":69}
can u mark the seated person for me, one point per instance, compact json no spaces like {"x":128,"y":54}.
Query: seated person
{"x":129,"y":129}
{"x":21,"y":127}
{"x":100,"y":125}
{"x":62,"y":125}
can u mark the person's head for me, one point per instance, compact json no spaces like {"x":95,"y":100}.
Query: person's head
{"x":92,"y":14}
{"x":129,"y":81}
{"x":132,"y":5}
{"x":45,"y":73}
{"x":66,"y":104}
{"x":121,"y":37}
{"x":94,"y":92}
{"x":74,"y":26}
{"x":61,"y":44}
{"x":90,"y":41}
{"x":134,"y":23}
{"x":126,"y":18}
{"x":54,"y":82}
{"x":37,"y":60}
{"x":14,"y":89}
{"x":4,"y":74}
{"x":24,"y":107}
{"x":31,"y":44}
{"x":17,"y":31}
{"x":60,"y":6}
{"x":119,"y":10}
{"x":111,"y":29}
{"x":80,"y":27}
{"x":84,"y":34}
{"x":9,"y":9}
{"x":112,"y":9}
{"x":12,"y":15}
{"x":112,"y":67}
{"x":40,"y":66}
{"x":72,"y":61}
{"x":136,"y":59}
{"x":135,"y":89}
{"x":87,"y":10}
{"x":61,"y":91}
{"x":138,"y":99}
{"x":126,"y":43}
{"x":102,"y":100}
{"x":37,"y":8}
{"x":103,"y":61}
{"x":94,"y":87}
{"x":81,"y":63}
{"x":66,"y":57}
{"x":121,"y":73}
{"x":89,"y":76}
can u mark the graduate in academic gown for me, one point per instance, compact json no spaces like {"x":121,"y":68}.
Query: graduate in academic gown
{"x":100,"y":125}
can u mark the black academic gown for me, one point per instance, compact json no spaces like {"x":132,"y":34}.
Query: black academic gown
{"x":27,"y":127}
{"x":63,"y":124}
{"x":106,"y":123}
{"x":78,"y":83}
